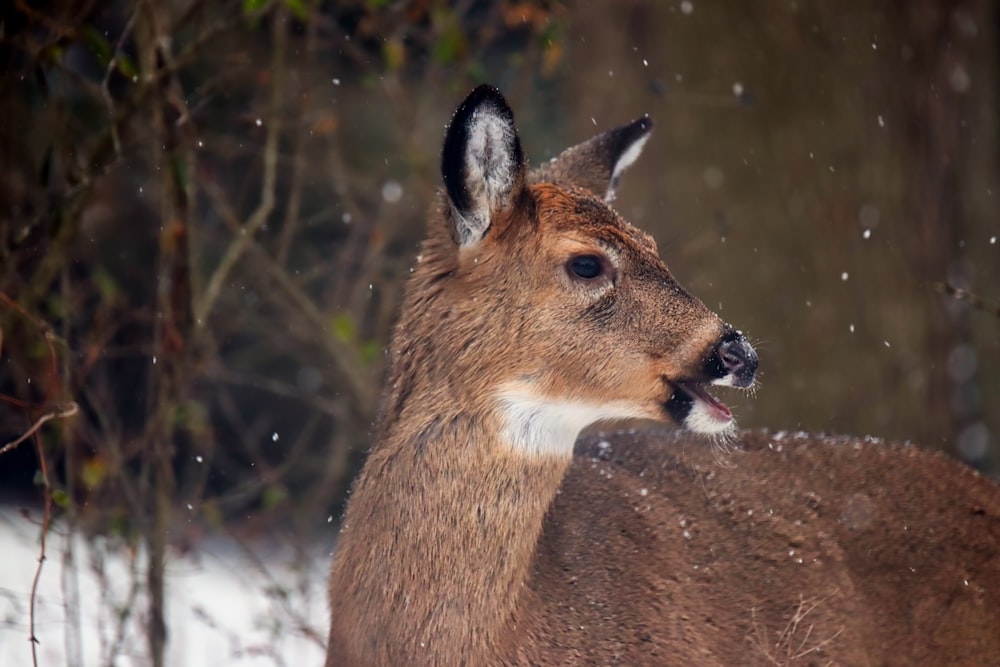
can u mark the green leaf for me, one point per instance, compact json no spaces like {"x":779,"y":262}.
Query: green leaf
{"x":370,"y":351}
{"x":127,"y":66}
{"x":56,"y":305}
{"x":98,"y":43}
{"x":107,"y":286}
{"x":190,"y":416}
{"x":273,"y":496}
{"x":178,"y":168}
{"x":451,"y":45}
{"x":298,"y":9}
{"x":394,"y":54}
{"x":343,"y":329}
{"x":476,"y":70}
{"x":60,"y":498}
{"x":252,"y":7}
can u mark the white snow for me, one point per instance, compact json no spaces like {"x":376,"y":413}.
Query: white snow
{"x":225,"y":606}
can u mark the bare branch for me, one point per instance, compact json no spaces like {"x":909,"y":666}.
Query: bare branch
{"x":106,"y":91}
{"x":974,"y":300}
{"x":357,"y":379}
{"x":61,"y":412}
{"x":257,"y":219}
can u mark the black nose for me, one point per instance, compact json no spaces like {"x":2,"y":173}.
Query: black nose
{"x":736,"y":359}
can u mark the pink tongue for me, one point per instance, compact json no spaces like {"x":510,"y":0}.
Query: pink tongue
{"x":723,"y":411}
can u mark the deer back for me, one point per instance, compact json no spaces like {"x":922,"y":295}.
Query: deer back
{"x":790,"y":549}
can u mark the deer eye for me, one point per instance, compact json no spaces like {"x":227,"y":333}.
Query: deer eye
{"x":586,"y":267}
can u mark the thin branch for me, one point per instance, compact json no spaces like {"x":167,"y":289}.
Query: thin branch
{"x":357,"y":379}
{"x":106,"y":91}
{"x":46,"y":519}
{"x":974,"y":300}
{"x":331,"y":408}
{"x":61,"y":412}
{"x":301,"y":622}
{"x":292,"y":210}
{"x":136,"y":103}
{"x":257,"y":219}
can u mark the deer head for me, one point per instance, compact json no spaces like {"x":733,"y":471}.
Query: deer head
{"x":548,"y":307}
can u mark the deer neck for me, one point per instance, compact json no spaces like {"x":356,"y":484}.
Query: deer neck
{"x":442,"y":527}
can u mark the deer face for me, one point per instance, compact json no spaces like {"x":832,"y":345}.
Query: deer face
{"x":576,"y":318}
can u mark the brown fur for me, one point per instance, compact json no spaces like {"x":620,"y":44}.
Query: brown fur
{"x":457,"y":549}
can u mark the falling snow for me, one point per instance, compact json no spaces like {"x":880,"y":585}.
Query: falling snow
{"x":392,"y":192}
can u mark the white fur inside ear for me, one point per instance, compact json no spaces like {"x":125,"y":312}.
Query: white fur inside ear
{"x":490,"y":172}
{"x":625,"y":160}
{"x":537,"y":426}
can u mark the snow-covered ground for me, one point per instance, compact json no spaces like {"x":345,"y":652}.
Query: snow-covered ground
{"x":225,"y":606}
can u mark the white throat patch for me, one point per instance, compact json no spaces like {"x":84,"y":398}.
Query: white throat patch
{"x":537,"y":425}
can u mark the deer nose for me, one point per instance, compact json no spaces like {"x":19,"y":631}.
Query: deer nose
{"x":738,"y":359}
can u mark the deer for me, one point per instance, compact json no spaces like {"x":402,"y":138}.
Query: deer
{"x":545,"y":484}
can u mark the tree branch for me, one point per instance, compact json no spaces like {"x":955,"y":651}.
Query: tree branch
{"x":257,"y":219}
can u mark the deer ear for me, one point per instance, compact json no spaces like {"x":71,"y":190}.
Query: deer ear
{"x":597,"y":164}
{"x":482,"y":164}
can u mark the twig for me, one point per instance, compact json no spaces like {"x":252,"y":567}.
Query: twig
{"x":974,"y":300}
{"x":292,"y":210}
{"x":106,"y":91}
{"x":357,"y":378}
{"x":61,"y":412}
{"x":46,"y":519}
{"x":274,"y":585}
{"x":257,"y":219}
{"x":331,"y":408}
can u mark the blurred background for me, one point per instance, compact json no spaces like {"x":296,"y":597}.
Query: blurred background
{"x":208,"y":209}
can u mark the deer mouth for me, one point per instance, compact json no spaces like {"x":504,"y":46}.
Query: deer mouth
{"x":694,"y":408}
